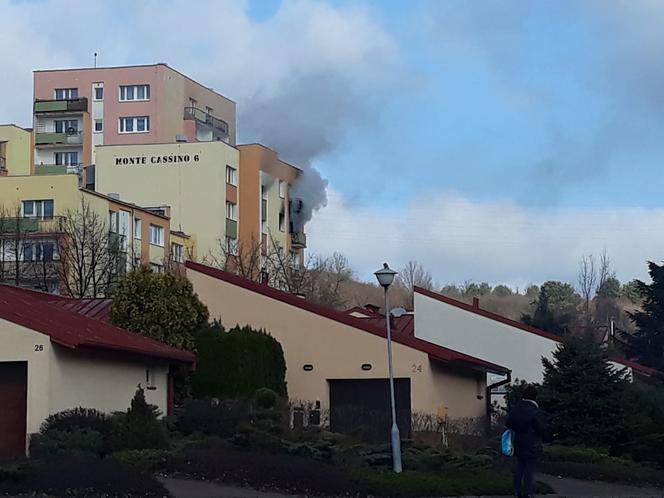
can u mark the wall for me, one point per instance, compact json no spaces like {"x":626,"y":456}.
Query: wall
{"x":20,"y":344}
{"x":337,"y":350}
{"x":102,"y":381}
{"x":63,"y":189}
{"x":18,"y":149}
{"x":482,"y":337}
{"x":195,"y":191}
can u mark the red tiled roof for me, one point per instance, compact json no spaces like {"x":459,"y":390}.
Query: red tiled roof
{"x":97,"y":308}
{"x":46,"y":314}
{"x":434,"y":351}
{"x":647,"y":371}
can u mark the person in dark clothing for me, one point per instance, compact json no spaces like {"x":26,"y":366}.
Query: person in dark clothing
{"x":528,"y":423}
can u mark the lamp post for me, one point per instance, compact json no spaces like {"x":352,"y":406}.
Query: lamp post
{"x":385,"y":278}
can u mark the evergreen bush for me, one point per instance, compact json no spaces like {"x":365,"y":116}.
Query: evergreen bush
{"x":237,"y":363}
{"x":139,"y":428}
{"x":78,"y":418}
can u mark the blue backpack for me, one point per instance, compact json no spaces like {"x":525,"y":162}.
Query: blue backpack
{"x":507,"y":443}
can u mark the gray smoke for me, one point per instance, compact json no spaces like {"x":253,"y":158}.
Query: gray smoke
{"x":305,"y":119}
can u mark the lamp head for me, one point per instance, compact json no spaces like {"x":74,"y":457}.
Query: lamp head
{"x":385,"y":276}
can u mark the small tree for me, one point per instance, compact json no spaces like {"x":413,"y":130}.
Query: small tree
{"x":139,"y":428}
{"x":502,"y":291}
{"x":555,"y":308}
{"x":587,"y":282}
{"x":585,"y":394}
{"x":647,"y":343}
{"x":238,"y":362}
{"x":162,"y":306}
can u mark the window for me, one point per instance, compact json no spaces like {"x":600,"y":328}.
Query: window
{"x":99,"y":93}
{"x":113,"y":222}
{"x":176,"y":252}
{"x":42,"y":209}
{"x":156,"y":268}
{"x":99,"y":125}
{"x":192,"y":102}
{"x":66,"y":93}
{"x":156,"y":235}
{"x":66,"y":158}
{"x":134,"y":92}
{"x":232,"y":246}
{"x":209,"y":110}
{"x":282,"y":189}
{"x":39,"y":251}
{"x":231,"y":210}
{"x":231,"y":175}
{"x":138,"y":124}
{"x":282,"y":221}
{"x":138,"y":227}
{"x":66,"y":126}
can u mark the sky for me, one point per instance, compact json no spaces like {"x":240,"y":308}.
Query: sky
{"x":490,"y":140}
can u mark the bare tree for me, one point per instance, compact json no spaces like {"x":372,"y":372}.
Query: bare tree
{"x":243,"y":259}
{"x":587,"y":281}
{"x":414,"y":275}
{"x":14,"y":232}
{"x":90,"y":255}
{"x":605,"y":271}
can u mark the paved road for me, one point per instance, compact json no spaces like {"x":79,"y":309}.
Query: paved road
{"x":577,"y":488}
{"x":182,"y":488}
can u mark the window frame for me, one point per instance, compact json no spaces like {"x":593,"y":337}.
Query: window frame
{"x":39,"y":214}
{"x":159,"y":230}
{"x":231,"y":175}
{"x":95,"y":90}
{"x":282,"y":189}
{"x":123,"y":91}
{"x":98,"y":121}
{"x":138,"y":228}
{"x":231,"y":210}
{"x":177,"y":255}
{"x":134,"y":124}
{"x":68,"y":93}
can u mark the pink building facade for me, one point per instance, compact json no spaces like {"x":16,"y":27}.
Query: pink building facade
{"x":77,"y":109}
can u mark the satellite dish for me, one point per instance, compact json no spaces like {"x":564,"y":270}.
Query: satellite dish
{"x":397,"y":312}
{"x":71,"y":130}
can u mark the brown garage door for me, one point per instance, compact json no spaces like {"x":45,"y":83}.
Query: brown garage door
{"x":361,"y":407}
{"x":13,"y":401}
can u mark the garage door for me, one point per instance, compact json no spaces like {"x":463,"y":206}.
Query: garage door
{"x":13,"y":401}
{"x":361,"y":407}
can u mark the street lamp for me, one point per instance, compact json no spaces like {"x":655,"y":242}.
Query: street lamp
{"x":385,"y":278}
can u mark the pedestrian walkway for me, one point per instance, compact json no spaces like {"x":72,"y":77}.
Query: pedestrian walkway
{"x":186,"y":488}
{"x":578,"y":488}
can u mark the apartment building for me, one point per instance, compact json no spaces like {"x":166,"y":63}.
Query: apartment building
{"x":76,"y":110}
{"x":32,"y":227}
{"x":15,"y":150}
{"x":273,"y":220}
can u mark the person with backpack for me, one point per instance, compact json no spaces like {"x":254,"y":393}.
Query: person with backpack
{"x":528,"y":425}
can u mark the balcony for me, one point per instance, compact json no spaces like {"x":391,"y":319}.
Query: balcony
{"x":208,"y":119}
{"x":3,"y":164}
{"x":51,"y":139}
{"x":298,"y":240}
{"x":58,"y":169}
{"x":72,"y":106}
{"x":26,"y":226}
{"x":231,"y":228}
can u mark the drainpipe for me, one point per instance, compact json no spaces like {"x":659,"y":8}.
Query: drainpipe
{"x":489,"y":391}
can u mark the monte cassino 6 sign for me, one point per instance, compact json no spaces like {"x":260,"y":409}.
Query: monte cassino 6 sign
{"x":158,"y":159}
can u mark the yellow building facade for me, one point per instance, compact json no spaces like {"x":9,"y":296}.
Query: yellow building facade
{"x":15,"y":150}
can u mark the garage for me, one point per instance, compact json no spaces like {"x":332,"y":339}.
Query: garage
{"x":361,"y":407}
{"x":13,"y":407}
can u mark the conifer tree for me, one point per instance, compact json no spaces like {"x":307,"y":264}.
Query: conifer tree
{"x":647,"y":343}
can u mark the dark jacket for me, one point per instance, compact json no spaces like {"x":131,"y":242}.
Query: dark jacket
{"x":529,"y":425}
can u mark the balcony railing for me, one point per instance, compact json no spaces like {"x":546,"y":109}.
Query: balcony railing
{"x":26,"y":226}
{"x":61,"y":106}
{"x":73,"y":138}
{"x":231,"y":228}
{"x":207,"y":118}
{"x":298,"y":240}
{"x":58,"y":169}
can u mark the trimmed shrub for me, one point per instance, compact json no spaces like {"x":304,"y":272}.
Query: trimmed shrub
{"x":139,"y":428}
{"x":78,"y":418}
{"x":55,"y":442}
{"x":217,"y":418}
{"x":574,"y":454}
{"x":265,"y":398}
{"x":146,"y":460}
{"x":237,"y":363}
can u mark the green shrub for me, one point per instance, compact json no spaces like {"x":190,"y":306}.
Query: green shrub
{"x":220,"y":418}
{"x":55,"y":442}
{"x":140,"y":427}
{"x":613,"y":470}
{"x":574,"y":454}
{"x":237,"y":363}
{"x":78,"y":418}
{"x":147,"y":460}
{"x":265,"y":398}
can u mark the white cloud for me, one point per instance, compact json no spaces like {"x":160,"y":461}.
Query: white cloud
{"x":500,"y":242}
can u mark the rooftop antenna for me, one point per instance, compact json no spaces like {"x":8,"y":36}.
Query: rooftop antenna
{"x":95,"y":59}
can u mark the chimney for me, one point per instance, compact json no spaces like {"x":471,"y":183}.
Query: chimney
{"x":476,"y":302}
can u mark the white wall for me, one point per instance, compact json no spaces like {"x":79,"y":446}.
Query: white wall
{"x":478,"y":336}
{"x":101,"y":381}
{"x":22,"y":344}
